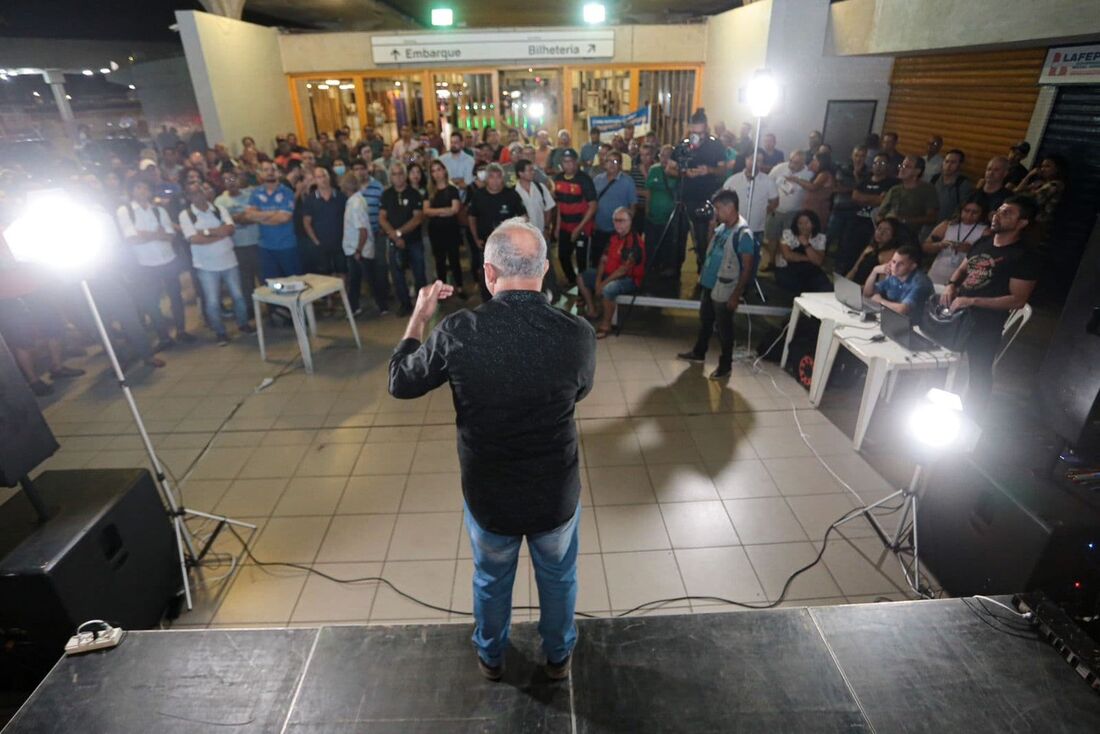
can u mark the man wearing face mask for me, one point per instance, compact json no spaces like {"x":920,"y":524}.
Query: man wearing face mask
{"x":701,"y":171}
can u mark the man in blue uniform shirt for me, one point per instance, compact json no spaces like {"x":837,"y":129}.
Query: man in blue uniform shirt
{"x":272,"y":207}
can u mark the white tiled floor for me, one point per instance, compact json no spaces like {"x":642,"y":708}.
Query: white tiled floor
{"x":689,"y":487}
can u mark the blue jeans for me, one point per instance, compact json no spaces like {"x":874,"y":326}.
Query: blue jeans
{"x":211,"y":283}
{"x":554,"y":555}
{"x":411,"y":256}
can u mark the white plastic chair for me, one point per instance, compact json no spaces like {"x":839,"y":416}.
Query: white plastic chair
{"x":1015,"y":323}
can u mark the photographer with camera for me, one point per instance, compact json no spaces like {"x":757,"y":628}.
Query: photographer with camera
{"x":701,"y":158}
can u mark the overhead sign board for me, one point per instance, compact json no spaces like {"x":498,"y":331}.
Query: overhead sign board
{"x":1072,"y":65}
{"x":435,"y":48}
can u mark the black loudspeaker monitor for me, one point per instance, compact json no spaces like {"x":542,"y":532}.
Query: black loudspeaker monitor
{"x":986,"y":534}
{"x":25,"y":439}
{"x":107,"y":552}
{"x":1069,"y":379}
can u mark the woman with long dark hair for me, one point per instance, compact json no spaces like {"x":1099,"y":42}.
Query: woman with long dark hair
{"x":801,"y":254}
{"x":952,"y":239}
{"x":885,"y":240}
{"x":819,"y":189}
{"x":441,"y":209}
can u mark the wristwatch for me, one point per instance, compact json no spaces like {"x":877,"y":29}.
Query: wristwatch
{"x":206,"y":233}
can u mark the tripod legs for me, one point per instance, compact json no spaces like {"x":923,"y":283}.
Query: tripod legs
{"x":184,"y":541}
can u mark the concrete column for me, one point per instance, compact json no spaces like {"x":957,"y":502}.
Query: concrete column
{"x":226,"y":8}
{"x":56,"y":80}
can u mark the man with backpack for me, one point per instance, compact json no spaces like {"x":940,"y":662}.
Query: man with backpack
{"x":209,"y":229}
{"x":727,"y":271}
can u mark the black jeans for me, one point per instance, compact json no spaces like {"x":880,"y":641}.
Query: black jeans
{"x":981,"y":350}
{"x":802,"y":277}
{"x":448,"y":256}
{"x":248,"y":260}
{"x":600,"y":241}
{"x":856,"y":237}
{"x":377,"y":274}
{"x":700,"y":231}
{"x":566,"y":248}
{"x":355,"y":281}
{"x":710,"y":314}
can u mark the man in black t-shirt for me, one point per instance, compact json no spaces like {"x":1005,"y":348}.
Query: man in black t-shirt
{"x":701,"y":179}
{"x":400,"y":217}
{"x":488,"y":208}
{"x":998,"y":276}
{"x":866,"y":196}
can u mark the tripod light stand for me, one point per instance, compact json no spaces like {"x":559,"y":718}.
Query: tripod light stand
{"x":61,"y":232}
{"x":939,"y":424}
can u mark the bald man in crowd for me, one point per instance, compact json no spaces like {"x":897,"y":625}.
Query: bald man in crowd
{"x":517,"y":367}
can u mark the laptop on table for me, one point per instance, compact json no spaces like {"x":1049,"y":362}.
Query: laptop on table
{"x":898,"y":328}
{"x":850,"y":295}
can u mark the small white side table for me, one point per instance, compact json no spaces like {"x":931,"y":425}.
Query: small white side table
{"x":300,"y":306}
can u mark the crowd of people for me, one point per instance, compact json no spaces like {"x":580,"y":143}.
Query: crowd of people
{"x":369,"y":210}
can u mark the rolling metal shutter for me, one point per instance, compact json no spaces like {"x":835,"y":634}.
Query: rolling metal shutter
{"x":1073,"y":131}
{"x":980,"y":103}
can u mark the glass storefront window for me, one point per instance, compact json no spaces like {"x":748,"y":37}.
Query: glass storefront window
{"x":332,"y":105}
{"x":392,"y":102}
{"x":598,"y":92}
{"x":465,"y":101}
{"x":530,"y":100}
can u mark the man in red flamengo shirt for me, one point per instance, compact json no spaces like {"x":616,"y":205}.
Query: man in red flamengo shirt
{"x":576,"y":196}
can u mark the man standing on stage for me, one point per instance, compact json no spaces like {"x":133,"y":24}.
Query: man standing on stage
{"x":517,"y":367}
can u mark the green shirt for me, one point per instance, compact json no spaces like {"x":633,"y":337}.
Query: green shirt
{"x":662,"y":194}
{"x":907,"y":204}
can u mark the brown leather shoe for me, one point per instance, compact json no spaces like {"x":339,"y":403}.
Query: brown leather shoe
{"x":489,"y":672}
{"x":558,"y":671}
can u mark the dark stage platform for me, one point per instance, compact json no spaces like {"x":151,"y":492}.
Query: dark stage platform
{"x":938,"y":666}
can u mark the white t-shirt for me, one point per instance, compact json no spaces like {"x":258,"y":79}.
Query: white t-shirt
{"x":356,"y":217}
{"x":537,"y":202}
{"x":216,"y":256}
{"x":153,"y":253}
{"x":764,"y":191}
{"x":948,"y":259}
{"x":791,"y":240}
{"x":790,"y":194}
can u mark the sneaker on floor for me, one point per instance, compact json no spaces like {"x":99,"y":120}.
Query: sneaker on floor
{"x":721,"y":373}
{"x":247,"y":329}
{"x":489,"y":672}
{"x":690,"y":357}
{"x":64,"y":372}
{"x":558,"y":671}
{"x":41,"y":389}
{"x":384,"y":312}
{"x":357,"y":312}
{"x":223,"y":340}
{"x":155,"y":362}
{"x":185,"y":338}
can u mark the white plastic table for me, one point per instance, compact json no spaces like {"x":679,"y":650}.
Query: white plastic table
{"x":302,"y":315}
{"x":884,"y":359}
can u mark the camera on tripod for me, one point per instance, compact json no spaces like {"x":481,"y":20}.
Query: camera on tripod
{"x":684,"y":152}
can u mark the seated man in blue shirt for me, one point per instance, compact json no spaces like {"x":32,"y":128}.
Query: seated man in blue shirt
{"x":899,"y":284}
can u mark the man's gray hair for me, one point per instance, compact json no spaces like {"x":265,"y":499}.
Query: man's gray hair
{"x":506,"y":251}
{"x":399,"y":166}
{"x":494,"y":168}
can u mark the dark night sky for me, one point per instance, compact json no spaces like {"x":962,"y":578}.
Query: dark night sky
{"x":134,"y":20}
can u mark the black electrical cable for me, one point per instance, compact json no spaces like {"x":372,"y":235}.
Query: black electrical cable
{"x":656,"y":602}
